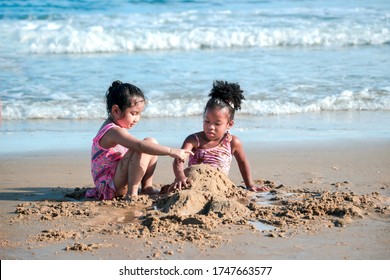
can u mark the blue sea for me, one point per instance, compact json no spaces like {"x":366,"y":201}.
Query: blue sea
{"x":314,"y":69}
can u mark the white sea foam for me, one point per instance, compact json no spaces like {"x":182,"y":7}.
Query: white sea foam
{"x":67,"y":108}
{"x":198,"y":29}
{"x":71,"y":39}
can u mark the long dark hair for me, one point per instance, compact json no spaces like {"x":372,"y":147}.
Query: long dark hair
{"x":122,"y":95}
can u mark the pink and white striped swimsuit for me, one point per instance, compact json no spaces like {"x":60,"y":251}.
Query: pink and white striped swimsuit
{"x":219,"y":156}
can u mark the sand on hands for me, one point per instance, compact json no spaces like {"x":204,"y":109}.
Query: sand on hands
{"x":197,"y":215}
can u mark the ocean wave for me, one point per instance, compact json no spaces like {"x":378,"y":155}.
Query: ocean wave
{"x":365,"y":100}
{"x":67,"y":39}
{"x":192,"y":30}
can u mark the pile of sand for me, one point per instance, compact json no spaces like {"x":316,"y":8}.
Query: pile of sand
{"x":296,"y":209}
{"x":49,"y":210}
{"x":210,"y":191}
{"x":197,"y":214}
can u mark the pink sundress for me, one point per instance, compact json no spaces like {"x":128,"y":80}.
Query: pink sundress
{"x":103,"y":166}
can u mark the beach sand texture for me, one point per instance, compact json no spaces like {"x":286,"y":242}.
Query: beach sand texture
{"x":327,"y":201}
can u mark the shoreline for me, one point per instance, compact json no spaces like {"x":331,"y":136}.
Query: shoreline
{"x":359,"y":167}
{"x":269,"y":160}
{"x":42,"y":136}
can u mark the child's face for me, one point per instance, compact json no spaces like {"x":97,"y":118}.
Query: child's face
{"x":215,"y":123}
{"x":131,"y":116}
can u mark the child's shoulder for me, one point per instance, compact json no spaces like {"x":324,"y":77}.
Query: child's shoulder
{"x":110,"y":130}
{"x":194,"y":138}
{"x":235,"y":140}
{"x":106,"y":126}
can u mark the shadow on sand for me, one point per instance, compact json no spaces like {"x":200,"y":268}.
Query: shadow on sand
{"x":43,"y":193}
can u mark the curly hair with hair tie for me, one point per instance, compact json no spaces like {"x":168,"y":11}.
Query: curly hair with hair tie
{"x":225,"y":95}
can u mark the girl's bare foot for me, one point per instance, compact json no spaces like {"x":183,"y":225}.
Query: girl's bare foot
{"x":149,"y":190}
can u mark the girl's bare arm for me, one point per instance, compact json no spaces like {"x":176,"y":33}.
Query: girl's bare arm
{"x":120,"y":136}
{"x":178,"y":166}
{"x":244,"y":166}
{"x":242,"y":161}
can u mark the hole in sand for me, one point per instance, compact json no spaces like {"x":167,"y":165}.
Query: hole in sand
{"x":270,"y":198}
{"x":261,"y":226}
{"x":132,"y":216}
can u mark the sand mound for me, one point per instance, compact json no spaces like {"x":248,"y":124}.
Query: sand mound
{"x":210,"y":191}
{"x":298,"y":208}
{"x":50,"y":210}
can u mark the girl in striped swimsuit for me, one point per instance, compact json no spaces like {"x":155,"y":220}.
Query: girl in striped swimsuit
{"x":215,"y":145}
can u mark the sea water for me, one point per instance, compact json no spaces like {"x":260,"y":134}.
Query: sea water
{"x":309,"y":69}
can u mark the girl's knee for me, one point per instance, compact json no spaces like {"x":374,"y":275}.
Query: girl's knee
{"x":151,"y":139}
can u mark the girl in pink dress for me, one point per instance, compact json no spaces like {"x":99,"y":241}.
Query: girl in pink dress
{"x":120,"y":162}
{"x":215,"y":145}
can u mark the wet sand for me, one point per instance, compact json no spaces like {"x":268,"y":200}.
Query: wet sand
{"x":328,"y":200}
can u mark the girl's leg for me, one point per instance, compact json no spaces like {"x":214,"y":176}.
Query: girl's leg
{"x":147,"y":180}
{"x":121,"y":174}
{"x":133,"y":169}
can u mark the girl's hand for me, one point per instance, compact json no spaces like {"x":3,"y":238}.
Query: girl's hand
{"x":256,"y":188}
{"x":180,"y":154}
{"x":178,"y":184}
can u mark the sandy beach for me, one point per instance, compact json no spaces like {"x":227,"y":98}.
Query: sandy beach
{"x":329,"y":200}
